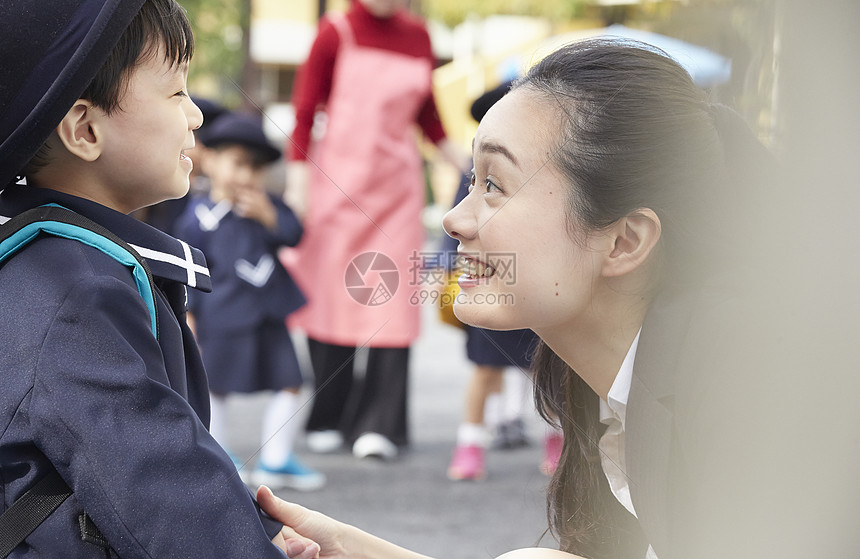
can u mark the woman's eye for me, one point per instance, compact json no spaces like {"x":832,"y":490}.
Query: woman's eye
{"x":181,"y":93}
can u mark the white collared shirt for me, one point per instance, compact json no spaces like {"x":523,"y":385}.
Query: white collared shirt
{"x":613,"y":414}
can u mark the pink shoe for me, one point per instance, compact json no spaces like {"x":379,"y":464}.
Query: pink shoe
{"x":467,"y":463}
{"x":551,"y":453}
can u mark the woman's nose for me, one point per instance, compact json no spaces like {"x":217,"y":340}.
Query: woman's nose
{"x":460,"y":222}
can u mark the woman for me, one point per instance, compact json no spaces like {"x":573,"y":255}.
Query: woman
{"x":370,"y":70}
{"x":613,"y":180}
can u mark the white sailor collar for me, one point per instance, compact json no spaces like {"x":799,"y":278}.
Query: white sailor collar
{"x":168,"y":258}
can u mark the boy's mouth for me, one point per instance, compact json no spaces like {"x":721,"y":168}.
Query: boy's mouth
{"x":186,"y":160}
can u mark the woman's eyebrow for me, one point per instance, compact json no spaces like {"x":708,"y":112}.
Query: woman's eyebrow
{"x":489,"y":146}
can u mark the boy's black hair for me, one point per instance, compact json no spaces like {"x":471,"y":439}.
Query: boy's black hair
{"x":160,"y":27}
{"x":160,"y":24}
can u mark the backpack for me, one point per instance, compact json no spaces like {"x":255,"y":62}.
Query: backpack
{"x":38,"y":503}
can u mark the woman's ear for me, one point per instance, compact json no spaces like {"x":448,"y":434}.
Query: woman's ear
{"x":80,"y":132}
{"x":634,"y":237}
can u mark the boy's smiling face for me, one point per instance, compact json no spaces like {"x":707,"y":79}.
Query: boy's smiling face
{"x":142,"y":160}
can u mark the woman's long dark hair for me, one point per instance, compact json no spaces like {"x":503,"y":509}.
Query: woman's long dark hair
{"x":636,"y":133}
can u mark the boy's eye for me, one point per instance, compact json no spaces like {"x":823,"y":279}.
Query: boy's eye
{"x":472,"y":181}
{"x":491,"y":186}
{"x":181,"y":93}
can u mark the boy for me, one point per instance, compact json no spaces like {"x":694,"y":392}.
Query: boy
{"x":91,"y":389}
{"x":240,"y":326}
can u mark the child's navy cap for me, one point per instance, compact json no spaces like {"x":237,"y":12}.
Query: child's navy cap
{"x":49,"y":53}
{"x":242,"y":129}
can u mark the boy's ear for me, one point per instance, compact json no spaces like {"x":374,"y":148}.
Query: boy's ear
{"x":634,"y":237}
{"x":80,"y":131}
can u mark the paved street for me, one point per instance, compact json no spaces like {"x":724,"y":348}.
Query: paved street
{"x":410,"y":501}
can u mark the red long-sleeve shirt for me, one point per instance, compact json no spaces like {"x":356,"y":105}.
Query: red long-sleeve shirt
{"x":403,"y":33}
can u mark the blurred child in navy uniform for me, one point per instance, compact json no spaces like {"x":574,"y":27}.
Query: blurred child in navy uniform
{"x":492,"y":352}
{"x":240,"y":326}
{"x":96,"y":118}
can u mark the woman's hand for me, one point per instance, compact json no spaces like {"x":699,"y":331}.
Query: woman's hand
{"x":298,"y":182}
{"x":304,"y":529}
{"x":454,"y":155}
{"x":336,"y":540}
{"x":295,"y":546}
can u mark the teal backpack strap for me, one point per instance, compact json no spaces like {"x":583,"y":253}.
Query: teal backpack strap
{"x":35,"y":506}
{"x":55,"y":220}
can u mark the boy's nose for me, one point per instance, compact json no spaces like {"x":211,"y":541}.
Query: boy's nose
{"x":194,"y":115}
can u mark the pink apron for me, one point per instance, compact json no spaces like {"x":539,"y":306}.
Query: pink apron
{"x":356,"y":260}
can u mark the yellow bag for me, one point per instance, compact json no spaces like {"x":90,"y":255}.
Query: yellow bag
{"x":447,"y":296}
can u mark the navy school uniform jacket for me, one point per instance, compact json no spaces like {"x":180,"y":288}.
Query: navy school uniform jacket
{"x":88,"y":390}
{"x":250,"y":284}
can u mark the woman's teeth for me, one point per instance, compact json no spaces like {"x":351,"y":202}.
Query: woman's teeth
{"x":475,"y":269}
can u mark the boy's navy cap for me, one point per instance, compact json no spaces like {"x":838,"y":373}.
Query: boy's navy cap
{"x":49,"y":54}
{"x":242,"y":129}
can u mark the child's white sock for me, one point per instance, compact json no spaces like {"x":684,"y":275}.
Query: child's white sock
{"x":469,"y":434}
{"x":518,"y":387}
{"x":218,"y":418}
{"x":279,"y":428}
{"x":494,"y":410}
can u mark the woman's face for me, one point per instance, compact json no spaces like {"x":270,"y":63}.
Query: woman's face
{"x":515,"y":222}
{"x":383,"y":8}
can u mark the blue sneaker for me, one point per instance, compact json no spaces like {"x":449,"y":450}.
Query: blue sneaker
{"x":292,"y":475}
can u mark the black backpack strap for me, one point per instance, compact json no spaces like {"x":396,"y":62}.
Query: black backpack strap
{"x":55,"y":220}
{"x":28,"y":512}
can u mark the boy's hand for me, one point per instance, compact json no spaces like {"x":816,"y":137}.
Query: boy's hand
{"x":255,"y":204}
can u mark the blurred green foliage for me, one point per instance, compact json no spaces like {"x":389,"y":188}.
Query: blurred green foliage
{"x":218,"y":34}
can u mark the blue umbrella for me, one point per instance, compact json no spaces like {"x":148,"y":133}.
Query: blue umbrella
{"x":706,"y":67}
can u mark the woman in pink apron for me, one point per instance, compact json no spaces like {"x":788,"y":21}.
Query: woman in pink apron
{"x":371,"y":70}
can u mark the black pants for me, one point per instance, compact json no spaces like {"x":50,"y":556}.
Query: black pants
{"x":378,"y":404}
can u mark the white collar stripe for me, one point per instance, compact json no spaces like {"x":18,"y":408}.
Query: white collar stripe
{"x":4,"y":219}
{"x":187,"y":263}
{"x":192,"y":277}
